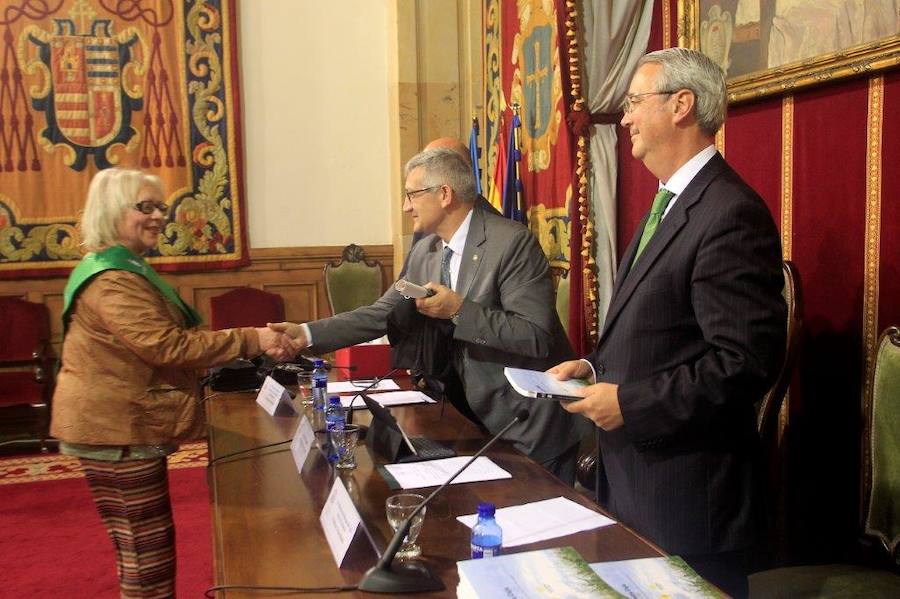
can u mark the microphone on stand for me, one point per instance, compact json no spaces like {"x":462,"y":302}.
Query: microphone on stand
{"x":359,"y":393}
{"x":414,"y":577}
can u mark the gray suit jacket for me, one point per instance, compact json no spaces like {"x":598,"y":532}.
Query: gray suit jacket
{"x":508,"y":318}
{"x":694,"y":336}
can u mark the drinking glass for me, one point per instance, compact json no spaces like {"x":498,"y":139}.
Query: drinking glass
{"x":398,"y":508}
{"x":345,"y":441}
{"x":304,"y":388}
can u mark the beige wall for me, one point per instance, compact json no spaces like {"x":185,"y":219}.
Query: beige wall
{"x":337,"y":96}
{"x":316,"y":129}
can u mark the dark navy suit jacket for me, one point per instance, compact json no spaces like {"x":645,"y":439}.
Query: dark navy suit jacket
{"x":694,"y":336}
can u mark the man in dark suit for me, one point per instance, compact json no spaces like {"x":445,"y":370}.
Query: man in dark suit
{"x":492,"y":282}
{"x":694,"y":335}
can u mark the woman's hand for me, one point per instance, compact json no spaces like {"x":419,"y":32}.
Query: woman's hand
{"x":277,"y":345}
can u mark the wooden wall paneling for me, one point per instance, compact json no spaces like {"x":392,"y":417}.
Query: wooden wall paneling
{"x":297,"y":274}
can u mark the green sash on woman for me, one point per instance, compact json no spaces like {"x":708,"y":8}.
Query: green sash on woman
{"x":120,"y":258}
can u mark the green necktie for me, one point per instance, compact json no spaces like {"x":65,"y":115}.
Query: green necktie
{"x":660,"y":201}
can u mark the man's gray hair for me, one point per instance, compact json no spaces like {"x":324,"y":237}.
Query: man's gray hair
{"x":693,"y":70}
{"x":111,"y":193}
{"x":445,"y":167}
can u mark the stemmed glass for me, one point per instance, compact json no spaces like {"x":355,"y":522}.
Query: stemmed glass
{"x":398,"y":508}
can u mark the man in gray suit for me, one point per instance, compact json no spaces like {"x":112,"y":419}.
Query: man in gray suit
{"x":694,"y":335}
{"x":492,"y":281}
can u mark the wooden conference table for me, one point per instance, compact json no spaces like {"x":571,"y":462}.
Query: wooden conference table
{"x":265,"y":514}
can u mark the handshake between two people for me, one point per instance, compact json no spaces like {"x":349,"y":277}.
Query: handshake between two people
{"x":284,"y":340}
{"x":276,"y":344}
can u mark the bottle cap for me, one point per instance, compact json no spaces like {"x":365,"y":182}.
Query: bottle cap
{"x":486,"y":508}
{"x":334,"y":400}
{"x":318,"y":362}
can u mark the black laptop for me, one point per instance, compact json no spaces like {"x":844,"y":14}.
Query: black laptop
{"x":389,"y":440}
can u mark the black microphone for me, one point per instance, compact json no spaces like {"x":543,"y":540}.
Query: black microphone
{"x":412,"y":576}
{"x":359,"y":393}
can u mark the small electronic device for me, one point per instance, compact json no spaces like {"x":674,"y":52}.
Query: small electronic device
{"x":411,"y":290}
{"x":391,"y":441}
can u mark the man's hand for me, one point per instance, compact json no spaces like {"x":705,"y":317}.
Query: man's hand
{"x":277,"y":345}
{"x":294,"y":332}
{"x":600,"y":404}
{"x":443,"y":304}
{"x":572,"y":369}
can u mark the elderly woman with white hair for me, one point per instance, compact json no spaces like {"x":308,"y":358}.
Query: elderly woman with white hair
{"x":127,"y":392}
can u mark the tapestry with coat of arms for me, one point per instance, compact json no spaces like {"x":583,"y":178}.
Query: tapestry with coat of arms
{"x":531,"y":63}
{"x":91,"y":84}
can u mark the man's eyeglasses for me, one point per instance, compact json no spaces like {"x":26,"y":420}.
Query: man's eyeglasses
{"x":411,"y":194}
{"x":632,"y":100}
{"x":148,"y":206}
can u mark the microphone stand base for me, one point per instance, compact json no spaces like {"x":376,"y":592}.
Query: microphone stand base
{"x":400,"y":577}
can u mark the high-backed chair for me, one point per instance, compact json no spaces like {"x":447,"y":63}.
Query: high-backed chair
{"x":881,"y":446}
{"x":26,"y":372}
{"x":353,"y":281}
{"x":773,"y":401}
{"x":770,"y":424}
{"x":880,"y":500}
{"x":562,"y":301}
{"x":245,"y":307}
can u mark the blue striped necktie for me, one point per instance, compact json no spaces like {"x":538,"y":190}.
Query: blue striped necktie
{"x":445,"y":267}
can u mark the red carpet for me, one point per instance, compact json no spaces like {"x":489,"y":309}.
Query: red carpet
{"x":52,"y":543}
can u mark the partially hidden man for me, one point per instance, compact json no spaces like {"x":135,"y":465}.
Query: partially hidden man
{"x":494,"y":292}
{"x":694,"y":335}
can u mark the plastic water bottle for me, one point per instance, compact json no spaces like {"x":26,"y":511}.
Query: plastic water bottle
{"x":319,"y":394}
{"x":487,"y":538}
{"x":334,"y":421}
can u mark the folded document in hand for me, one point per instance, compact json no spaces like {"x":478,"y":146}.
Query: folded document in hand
{"x":541,"y":385}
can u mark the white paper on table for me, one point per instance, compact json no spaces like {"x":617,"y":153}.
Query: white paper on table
{"x":387,"y":398}
{"x":357,"y":386}
{"x":541,"y":520}
{"x":432,"y":473}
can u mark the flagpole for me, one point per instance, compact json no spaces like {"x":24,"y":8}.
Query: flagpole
{"x":517,"y":144}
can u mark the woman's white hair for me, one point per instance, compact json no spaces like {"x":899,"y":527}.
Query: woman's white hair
{"x":111,"y":192}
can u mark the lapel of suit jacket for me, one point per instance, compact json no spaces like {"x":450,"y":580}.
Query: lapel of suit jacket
{"x":473,"y":253}
{"x":629,"y":278}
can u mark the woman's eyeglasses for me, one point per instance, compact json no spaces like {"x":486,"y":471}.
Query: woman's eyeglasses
{"x":148,"y":206}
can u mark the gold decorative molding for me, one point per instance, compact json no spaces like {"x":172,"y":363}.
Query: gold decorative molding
{"x":666,"y":24}
{"x":866,"y":58}
{"x":720,"y":140}
{"x":787,"y":175}
{"x":687,"y":24}
{"x":873,"y":226}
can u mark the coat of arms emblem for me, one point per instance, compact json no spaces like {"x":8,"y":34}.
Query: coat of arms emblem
{"x":85,"y":94}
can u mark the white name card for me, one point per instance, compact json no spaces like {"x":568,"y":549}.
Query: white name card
{"x":339,"y":520}
{"x":272,"y":395}
{"x":303,"y":440}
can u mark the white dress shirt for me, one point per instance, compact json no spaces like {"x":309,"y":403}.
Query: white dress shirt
{"x":685,"y":174}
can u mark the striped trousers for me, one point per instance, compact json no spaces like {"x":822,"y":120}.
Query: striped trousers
{"x":132,"y":498}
